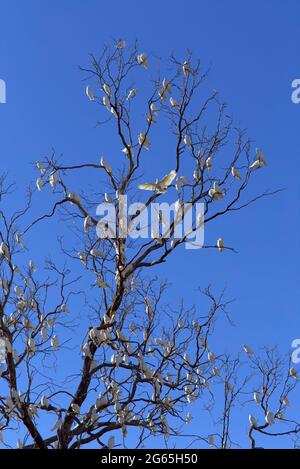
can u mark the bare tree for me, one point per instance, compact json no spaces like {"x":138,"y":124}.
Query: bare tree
{"x":138,"y":362}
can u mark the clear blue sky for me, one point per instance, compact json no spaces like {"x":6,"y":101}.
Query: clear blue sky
{"x":253,"y":49}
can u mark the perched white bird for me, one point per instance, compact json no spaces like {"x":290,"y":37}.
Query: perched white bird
{"x":89,"y":92}
{"x":186,"y":68}
{"x":100,"y":283}
{"x":220,"y":244}
{"x":174,"y":103}
{"x":160,"y":185}
{"x":215,"y":372}
{"x":153,"y":108}
{"x":269,"y":418}
{"x":4,"y":251}
{"x":82,"y":257}
{"x":181,"y":181}
{"x":285,"y":401}
{"x":75,"y":408}
{"x":256,"y":397}
{"x":105,"y":165}
{"x":106,"y":102}
{"x":186,"y":357}
{"x":64,"y":308}
{"x":167,"y":86}
{"x":216,"y":192}
{"x":111,"y":442}
{"x":32,"y":266}
{"x":87,"y":223}
{"x":20,"y":241}
{"x":293,"y":373}
{"x":208,"y":163}
{"x":132,"y":93}
{"x":143,"y":60}
{"x":149,"y":310}
{"x":57,"y":424}
{"x":144,"y":140}
{"x":18,"y":292}
{"x":53,"y":179}
{"x":44,"y":401}
{"x":211,"y":357}
{"x":106,"y":89}
{"x":31,"y":345}
{"x":252,"y":421}
{"x":121,"y":44}
{"x":187,"y":141}
{"x":235,"y":173}
{"x":248,"y":350}
{"x":39,"y":184}
{"x":74,"y":198}
{"x":259,"y":162}
{"x":41,"y":167}
{"x":54,"y":342}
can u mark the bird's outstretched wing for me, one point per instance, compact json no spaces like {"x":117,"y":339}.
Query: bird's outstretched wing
{"x":168,"y":178}
{"x":148,"y":186}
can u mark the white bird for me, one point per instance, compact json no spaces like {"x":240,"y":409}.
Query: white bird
{"x":186,"y":357}
{"x":111,"y":442}
{"x":220,"y":244}
{"x":285,"y":401}
{"x":215,"y":372}
{"x":248,"y":350}
{"x":20,"y":444}
{"x":74,"y":198}
{"x":106,"y":102}
{"x":64,"y":308}
{"x":259,"y":162}
{"x":121,"y":44}
{"x":41,"y":167}
{"x":143,"y":60}
{"x":256,"y":397}
{"x":208,"y":163}
{"x":39,"y":184}
{"x":1,"y":437}
{"x":44,"y":401}
{"x":20,"y":241}
{"x":186,"y":68}
{"x":181,"y":181}
{"x":293,"y":373}
{"x":216,"y":192}
{"x":160,"y":185}
{"x":31,"y":345}
{"x":100,"y":283}
{"x":211,"y":440}
{"x":82,"y":257}
{"x":174,"y":103}
{"x":105,"y":165}
{"x":144,"y":140}
{"x":89,"y":92}
{"x":252,"y":421}
{"x":18,"y":292}
{"x":153,"y":108}
{"x":75,"y":408}
{"x":4,"y":251}
{"x":167,"y":86}
{"x":211,"y":357}
{"x":32,"y":266}
{"x":187,"y":141}
{"x":269,"y":418}
{"x":149,"y":310}
{"x":57,"y":424}
{"x":54,"y":342}
{"x":235,"y":173}
{"x":108,"y":198}
{"x":53,"y":179}
{"x":132,"y":93}
{"x":87,"y":223}
{"x":106,"y":89}
{"x":96,"y":253}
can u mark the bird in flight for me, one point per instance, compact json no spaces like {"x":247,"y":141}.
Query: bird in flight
{"x":160,"y":185}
